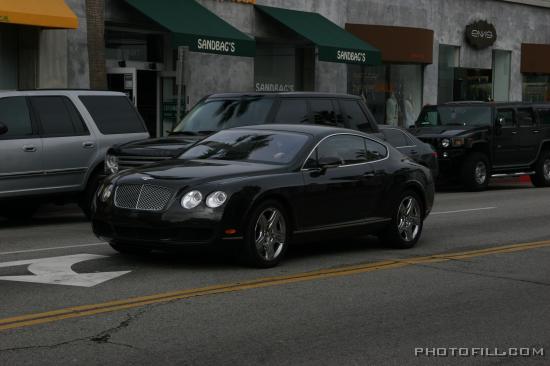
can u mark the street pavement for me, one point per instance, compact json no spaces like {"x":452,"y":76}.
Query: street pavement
{"x":479,"y":278}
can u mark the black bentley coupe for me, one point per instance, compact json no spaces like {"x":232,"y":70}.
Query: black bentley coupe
{"x":266,"y":186}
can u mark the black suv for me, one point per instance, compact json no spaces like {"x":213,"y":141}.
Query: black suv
{"x":477,"y":140}
{"x":222,"y":111}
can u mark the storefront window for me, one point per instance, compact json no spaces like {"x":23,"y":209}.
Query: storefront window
{"x":132,"y":46}
{"x":501,"y":75}
{"x":283,"y":69}
{"x":536,"y":88}
{"x":392,"y":92}
{"x":18,"y":57}
{"x":449,"y":57}
{"x":8,"y":57}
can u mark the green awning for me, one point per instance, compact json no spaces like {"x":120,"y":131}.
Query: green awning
{"x":334,"y":43}
{"x":197,"y":27}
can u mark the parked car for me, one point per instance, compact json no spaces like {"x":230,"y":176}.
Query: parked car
{"x":222,"y":111}
{"x":267,"y":186}
{"x":53,"y":144}
{"x":409,"y":145}
{"x":477,"y":140}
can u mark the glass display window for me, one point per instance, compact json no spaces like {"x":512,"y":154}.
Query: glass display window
{"x":536,"y":88}
{"x":393,"y":92}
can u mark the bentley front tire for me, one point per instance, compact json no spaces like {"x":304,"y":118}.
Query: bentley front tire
{"x":267,"y":235}
{"x":406,"y":224}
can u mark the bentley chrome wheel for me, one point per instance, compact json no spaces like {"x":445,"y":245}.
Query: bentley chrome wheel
{"x":409,"y":219}
{"x":270,"y":233}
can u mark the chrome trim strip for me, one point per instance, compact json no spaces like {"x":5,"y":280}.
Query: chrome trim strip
{"x":343,"y":225}
{"x":42,"y":173}
{"x":346,"y":165}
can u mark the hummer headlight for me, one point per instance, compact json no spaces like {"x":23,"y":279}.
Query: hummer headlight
{"x":111,"y":164}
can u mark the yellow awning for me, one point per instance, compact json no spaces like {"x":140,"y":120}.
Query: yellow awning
{"x":40,"y":13}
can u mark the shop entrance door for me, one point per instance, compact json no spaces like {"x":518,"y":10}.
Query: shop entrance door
{"x":141,"y":87}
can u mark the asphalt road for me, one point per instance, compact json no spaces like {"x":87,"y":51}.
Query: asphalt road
{"x":479,"y":278}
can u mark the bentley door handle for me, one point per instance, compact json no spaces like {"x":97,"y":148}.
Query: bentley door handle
{"x":535,"y":131}
{"x":368,"y":175}
{"x":29,"y":148}
{"x":514,"y":132}
{"x":88,"y":145}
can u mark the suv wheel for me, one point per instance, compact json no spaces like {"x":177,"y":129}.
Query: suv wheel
{"x":542,"y":170}
{"x":475,"y":172}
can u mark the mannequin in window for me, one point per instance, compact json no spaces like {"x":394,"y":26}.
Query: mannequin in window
{"x":392,"y":110}
{"x":409,"y":112}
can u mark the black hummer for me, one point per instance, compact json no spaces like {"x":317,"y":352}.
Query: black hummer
{"x":221,"y":111}
{"x":477,"y":140}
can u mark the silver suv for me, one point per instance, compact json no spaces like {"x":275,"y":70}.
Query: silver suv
{"x":53,"y":144}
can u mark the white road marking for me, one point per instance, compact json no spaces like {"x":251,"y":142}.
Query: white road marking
{"x":52,"y":248}
{"x":57,"y":271}
{"x":466,"y":210}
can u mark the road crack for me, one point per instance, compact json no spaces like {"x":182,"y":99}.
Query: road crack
{"x":102,"y":337}
{"x":485,"y":275}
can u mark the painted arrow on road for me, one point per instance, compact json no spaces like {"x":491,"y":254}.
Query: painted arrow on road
{"x":58,"y":271}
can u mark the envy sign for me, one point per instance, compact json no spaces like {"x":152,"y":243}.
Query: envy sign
{"x":481,"y":34}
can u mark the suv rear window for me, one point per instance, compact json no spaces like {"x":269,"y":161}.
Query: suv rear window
{"x":113,"y":114}
{"x":455,"y":115}
{"x":220,"y":114}
{"x":14,"y":113}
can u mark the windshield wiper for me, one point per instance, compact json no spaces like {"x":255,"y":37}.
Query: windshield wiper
{"x":206,"y":132}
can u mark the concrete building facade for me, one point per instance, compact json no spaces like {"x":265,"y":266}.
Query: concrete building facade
{"x":449,"y":64}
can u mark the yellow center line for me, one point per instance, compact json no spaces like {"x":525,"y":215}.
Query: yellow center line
{"x":117,"y":305}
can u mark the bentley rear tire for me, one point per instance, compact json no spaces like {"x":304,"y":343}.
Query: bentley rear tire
{"x":407,"y":221}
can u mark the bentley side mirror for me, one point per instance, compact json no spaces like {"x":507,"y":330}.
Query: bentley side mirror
{"x":3,"y":128}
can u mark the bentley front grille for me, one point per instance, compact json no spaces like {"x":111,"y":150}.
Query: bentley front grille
{"x":142,"y":197}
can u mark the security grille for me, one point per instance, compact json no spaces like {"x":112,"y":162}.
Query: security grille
{"x":142,"y":197}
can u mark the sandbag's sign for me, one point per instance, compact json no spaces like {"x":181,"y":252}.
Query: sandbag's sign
{"x":481,"y":34}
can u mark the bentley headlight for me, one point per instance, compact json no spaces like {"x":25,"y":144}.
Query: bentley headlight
{"x":445,"y":143}
{"x":111,"y":164}
{"x":107,"y":192}
{"x":216,"y":199}
{"x":191,"y":200}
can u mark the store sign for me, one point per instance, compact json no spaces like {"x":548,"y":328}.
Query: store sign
{"x":274,"y":87}
{"x":349,"y":56}
{"x":211,"y":45}
{"x":481,"y":34}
